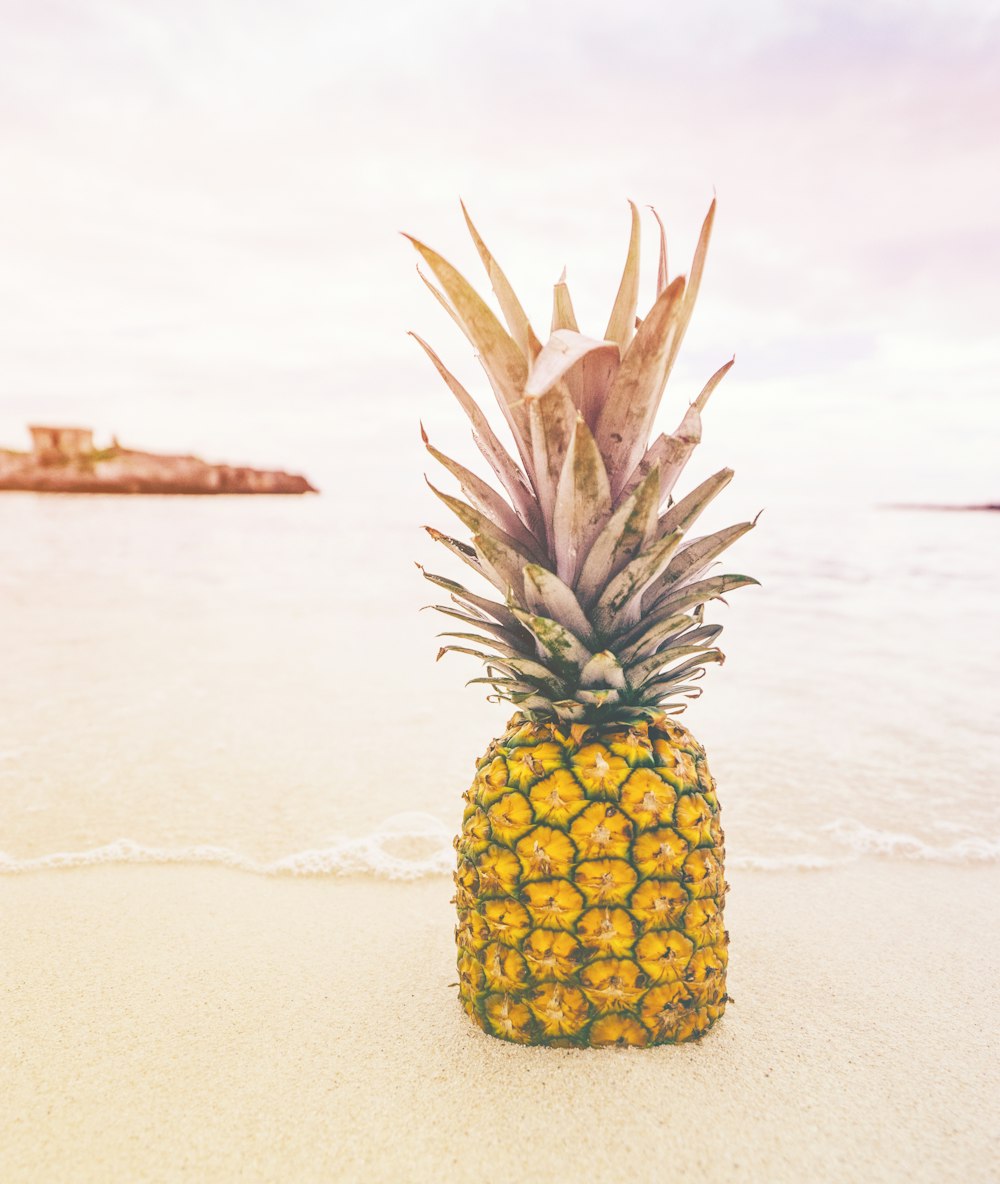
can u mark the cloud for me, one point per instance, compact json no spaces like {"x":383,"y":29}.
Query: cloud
{"x":207,"y":195}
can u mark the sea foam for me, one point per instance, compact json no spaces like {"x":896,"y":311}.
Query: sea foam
{"x":405,"y":846}
{"x":411,"y":846}
{"x":866,"y":840}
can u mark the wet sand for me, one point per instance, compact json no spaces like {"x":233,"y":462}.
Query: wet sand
{"x":200,"y":1023}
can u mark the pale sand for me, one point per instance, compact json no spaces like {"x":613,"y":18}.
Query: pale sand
{"x":196,"y":1023}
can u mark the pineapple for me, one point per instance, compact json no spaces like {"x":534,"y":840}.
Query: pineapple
{"x":589,"y":881}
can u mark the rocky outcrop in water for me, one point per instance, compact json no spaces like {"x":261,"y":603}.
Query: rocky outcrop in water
{"x":64,"y":460}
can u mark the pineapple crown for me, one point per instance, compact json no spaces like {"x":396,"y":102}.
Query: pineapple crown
{"x":603,"y":592}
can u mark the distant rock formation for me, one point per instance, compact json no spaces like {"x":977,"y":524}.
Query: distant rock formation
{"x":943,"y":506}
{"x":64,"y":460}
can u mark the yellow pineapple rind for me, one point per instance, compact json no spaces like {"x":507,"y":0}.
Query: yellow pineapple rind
{"x":590,"y":889}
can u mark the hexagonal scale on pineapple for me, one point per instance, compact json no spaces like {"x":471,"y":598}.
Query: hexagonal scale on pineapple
{"x":622,"y":1031}
{"x":545,"y":852}
{"x":706,"y":782}
{"x":499,"y":871}
{"x":709,"y":992}
{"x":693,"y":820}
{"x":659,"y":904}
{"x":552,"y":904}
{"x":561,"y":1010}
{"x":675,"y":764}
{"x":506,"y":920}
{"x":607,"y":931}
{"x":647,"y":799}
{"x":632,"y":744}
{"x":664,"y":956}
{"x":695,"y":1023}
{"x":599,"y":771}
{"x":510,"y":817}
{"x":665,"y":1008}
{"x":508,"y":1018}
{"x":606,"y":881}
{"x":491,"y":781}
{"x":527,"y":765}
{"x":471,"y":977}
{"x":552,"y":953}
{"x":504,"y":967}
{"x":613,"y":984}
{"x":473,"y":930}
{"x":706,"y":964}
{"x":466,"y":880}
{"x":660,"y":853}
{"x":557,"y":798}
{"x":601,"y":830}
{"x":475,"y":834}
{"x":702,"y":873}
{"x":703,"y":922}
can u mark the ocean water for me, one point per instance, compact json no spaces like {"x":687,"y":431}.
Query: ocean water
{"x":252,"y":682}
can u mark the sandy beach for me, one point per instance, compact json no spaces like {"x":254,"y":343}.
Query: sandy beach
{"x":200,"y":1023}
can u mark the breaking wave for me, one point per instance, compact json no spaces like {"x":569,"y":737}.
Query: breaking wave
{"x":867,"y":840}
{"x":406,"y":846}
{"x":412,"y":846}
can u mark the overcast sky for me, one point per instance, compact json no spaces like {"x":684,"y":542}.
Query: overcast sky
{"x":199,"y":200}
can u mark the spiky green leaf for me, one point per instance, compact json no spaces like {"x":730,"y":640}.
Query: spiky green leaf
{"x":499,"y":353}
{"x":661,"y":271}
{"x":692,"y":560}
{"x":651,"y":635}
{"x":603,"y":670}
{"x":699,"y":593}
{"x":583,"y":502}
{"x":551,"y":417}
{"x":684,"y":513}
{"x":620,"y":326}
{"x":504,"y":634}
{"x":585,"y":365}
{"x":547,"y":595}
{"x":502,"y":563}
{"x":693,"y":284}
{"x":500,"y":461}
{"x":499,"y":612}
{"x":510,"y":306}
{"x":464,"y":552}
{"x":691,"y":668}
{"x":566,"y":650}
{"x":611,"y":613}
{"x":627,"y":530}
{"x":484,"y":498}
{"x":480,"y":524}
{"x":640,"y":672}
{"x":599,"y":697}
{"x":623,"y":424}
{"x":563,"y":316}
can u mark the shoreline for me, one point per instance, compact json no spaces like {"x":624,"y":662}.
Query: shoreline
{"x":182,"y":1022}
